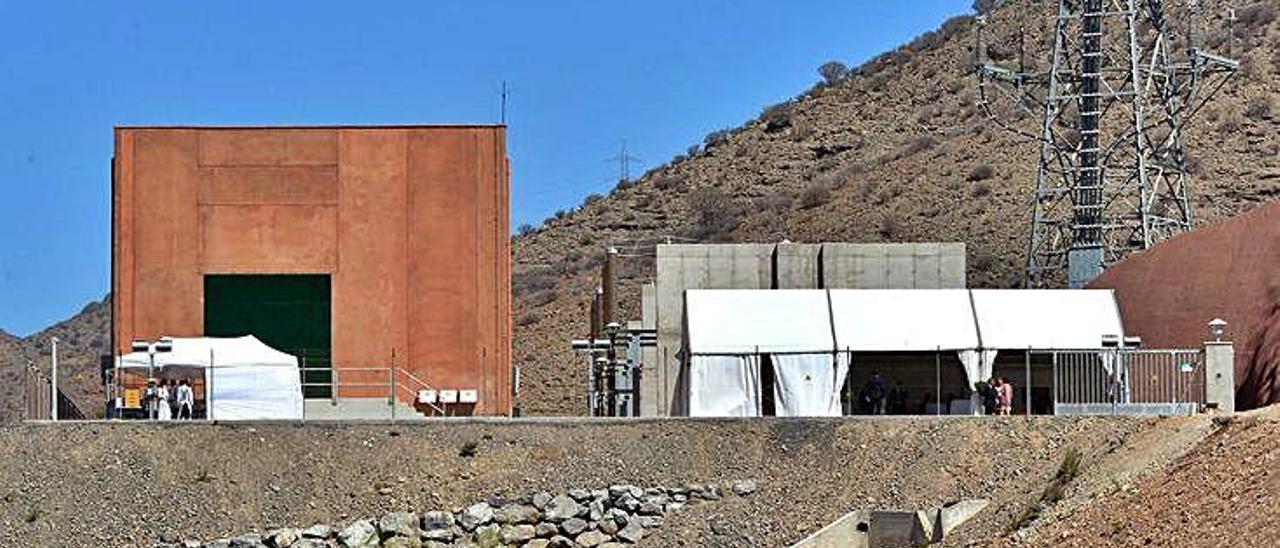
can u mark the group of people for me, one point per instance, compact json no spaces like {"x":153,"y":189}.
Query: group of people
{"x":167,"y":399}
{"x":877,"y":399}
{"x":997,"y":396}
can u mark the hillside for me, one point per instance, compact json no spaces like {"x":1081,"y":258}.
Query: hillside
{"x":896,"y":151}
{"x":82,"y":338}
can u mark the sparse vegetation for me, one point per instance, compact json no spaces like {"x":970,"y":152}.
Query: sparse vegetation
{"x":814,"y":195}
{"x":1054,"y":492}
{"x":890,"y":227}
{"x":526,"y":229}
{"x":801,"y":130}
{"x":203,"y":476}
{"x":980,"y":172}
{"x":1258,"y":107}
{"x":776,"y":117}
{"x":715,"y":214}
{"x":33,"y":514}
{"x":833,"y":72}
{"x":716,"y":138}
{"x":1230,"y":120}
{"x":529,"y":317}
{"x":980,"y":189}
{"x":468,"y":449}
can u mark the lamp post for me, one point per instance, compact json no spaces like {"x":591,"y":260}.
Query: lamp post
{"x":53,"y":380}
{"x":163,"y":344}
{"x":1217,"y":327}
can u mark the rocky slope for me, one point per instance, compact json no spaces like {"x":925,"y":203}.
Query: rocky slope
{"x":82,"y":339}
{"x":117,"y":484}
{"x":896,"y":151}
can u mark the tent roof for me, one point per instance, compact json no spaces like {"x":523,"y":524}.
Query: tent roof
{"x":1046,"y":319}
{"x":744,"y":321}
{"x":224,"y":352}
{"x":903,"y":320}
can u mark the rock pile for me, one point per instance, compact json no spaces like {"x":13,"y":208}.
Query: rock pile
{"x":605,"y":518}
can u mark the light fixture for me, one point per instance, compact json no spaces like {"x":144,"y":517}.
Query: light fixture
{"x":1217,"y":327}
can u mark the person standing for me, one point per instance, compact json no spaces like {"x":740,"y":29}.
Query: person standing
{"x":1004,"y":396}
{"x":186,"y":399}
{"x":164,"y":412}
{"x":874,"y":394}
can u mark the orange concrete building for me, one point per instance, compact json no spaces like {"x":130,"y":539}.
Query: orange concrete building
{"x":369,"y":245}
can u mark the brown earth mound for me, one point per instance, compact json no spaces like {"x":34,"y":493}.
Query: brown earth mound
{"x":1230,"y":270}
{"x":1223,"y":492}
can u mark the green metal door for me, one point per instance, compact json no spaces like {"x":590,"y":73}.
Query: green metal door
{"x":289,"y":312}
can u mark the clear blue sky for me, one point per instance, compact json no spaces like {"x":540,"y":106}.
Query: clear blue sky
{"x":583,"y":76}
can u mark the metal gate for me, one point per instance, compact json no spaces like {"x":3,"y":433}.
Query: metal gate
{"x":1128,"y":381}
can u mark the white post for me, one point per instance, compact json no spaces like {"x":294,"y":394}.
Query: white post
{"x":53,"y":382}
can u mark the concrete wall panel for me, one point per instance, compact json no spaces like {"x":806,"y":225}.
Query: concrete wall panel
{"x":269,"y":239}
{"x":370,"y":282}
{"x":443,"y":265}
{"x":269,"y":185}
{"x":268,"y":147}
{"x":166,"y":240}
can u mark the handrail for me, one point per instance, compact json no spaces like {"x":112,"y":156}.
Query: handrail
{"x":393,"y":385}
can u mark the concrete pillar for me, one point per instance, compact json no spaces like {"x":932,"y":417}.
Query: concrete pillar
{"x":1220,"y":368}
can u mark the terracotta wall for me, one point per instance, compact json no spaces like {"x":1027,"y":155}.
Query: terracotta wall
{"x":411,"y":223}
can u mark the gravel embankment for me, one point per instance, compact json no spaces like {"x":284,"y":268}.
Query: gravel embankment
{"x":114,"y":484}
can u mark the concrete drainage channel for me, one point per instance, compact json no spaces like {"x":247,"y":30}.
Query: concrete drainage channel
{"x":893,"y":528}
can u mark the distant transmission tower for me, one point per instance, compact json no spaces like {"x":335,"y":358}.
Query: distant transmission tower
{"x":624,"y":162}
{"x":1110,"y":115}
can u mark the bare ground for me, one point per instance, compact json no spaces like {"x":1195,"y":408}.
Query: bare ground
{"x":114,"y":484}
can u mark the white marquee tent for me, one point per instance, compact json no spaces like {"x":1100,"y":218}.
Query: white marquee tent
{"x":245,"y":378}
{"x":730,"y":330}
{"x":811,"y":336}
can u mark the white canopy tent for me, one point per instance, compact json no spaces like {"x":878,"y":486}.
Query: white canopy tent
{"x":810,"y":336}
{"x":245,"y":378}
{"x":910,"y":320}
{"x":728,"y":332}
{"x":1059,"y":319}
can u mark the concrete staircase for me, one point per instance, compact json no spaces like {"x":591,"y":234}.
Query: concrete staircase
{"x":359,"y":409}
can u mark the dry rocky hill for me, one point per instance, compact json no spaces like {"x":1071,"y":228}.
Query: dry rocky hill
{"x":82,"y":339}
{"x":897,"y":150}
{"x":894,"y":150}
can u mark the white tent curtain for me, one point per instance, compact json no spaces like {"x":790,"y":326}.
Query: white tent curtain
{"x":724,"y":386}
{"x":808,"y":385}
{"x":978,"y":365}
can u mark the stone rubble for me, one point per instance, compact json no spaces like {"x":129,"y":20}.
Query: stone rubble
{"x":617,"y":516}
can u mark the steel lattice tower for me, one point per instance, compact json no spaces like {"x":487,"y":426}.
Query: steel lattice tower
{"x":1112,"y":110}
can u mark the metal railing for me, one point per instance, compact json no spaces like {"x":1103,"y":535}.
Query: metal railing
{"x":371,"y":382}
{"x":1128,"y":381}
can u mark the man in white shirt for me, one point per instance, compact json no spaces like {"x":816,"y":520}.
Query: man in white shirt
{"x":186,"y":399}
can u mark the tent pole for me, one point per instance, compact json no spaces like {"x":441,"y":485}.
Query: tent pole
{"x":937,"y":379}
{"x":1028,"y":387}
{"x":208,"y":388}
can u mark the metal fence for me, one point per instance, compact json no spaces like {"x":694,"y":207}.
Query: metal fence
{"x":1128,"y":381}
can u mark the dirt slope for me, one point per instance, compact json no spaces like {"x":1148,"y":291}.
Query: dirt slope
{"x":88,"y":484}
{"x":1223,"y":492}
{"x":898,"y":151}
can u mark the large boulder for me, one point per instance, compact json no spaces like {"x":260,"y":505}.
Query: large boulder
{"x":476,"y":515}
{"x":517,"y":513}
{"x":399,"y":524}
{"x":562,"y":507}
{"x":432,"y":521}
{"x":515,"y":534}
{"x":360,"y":534}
